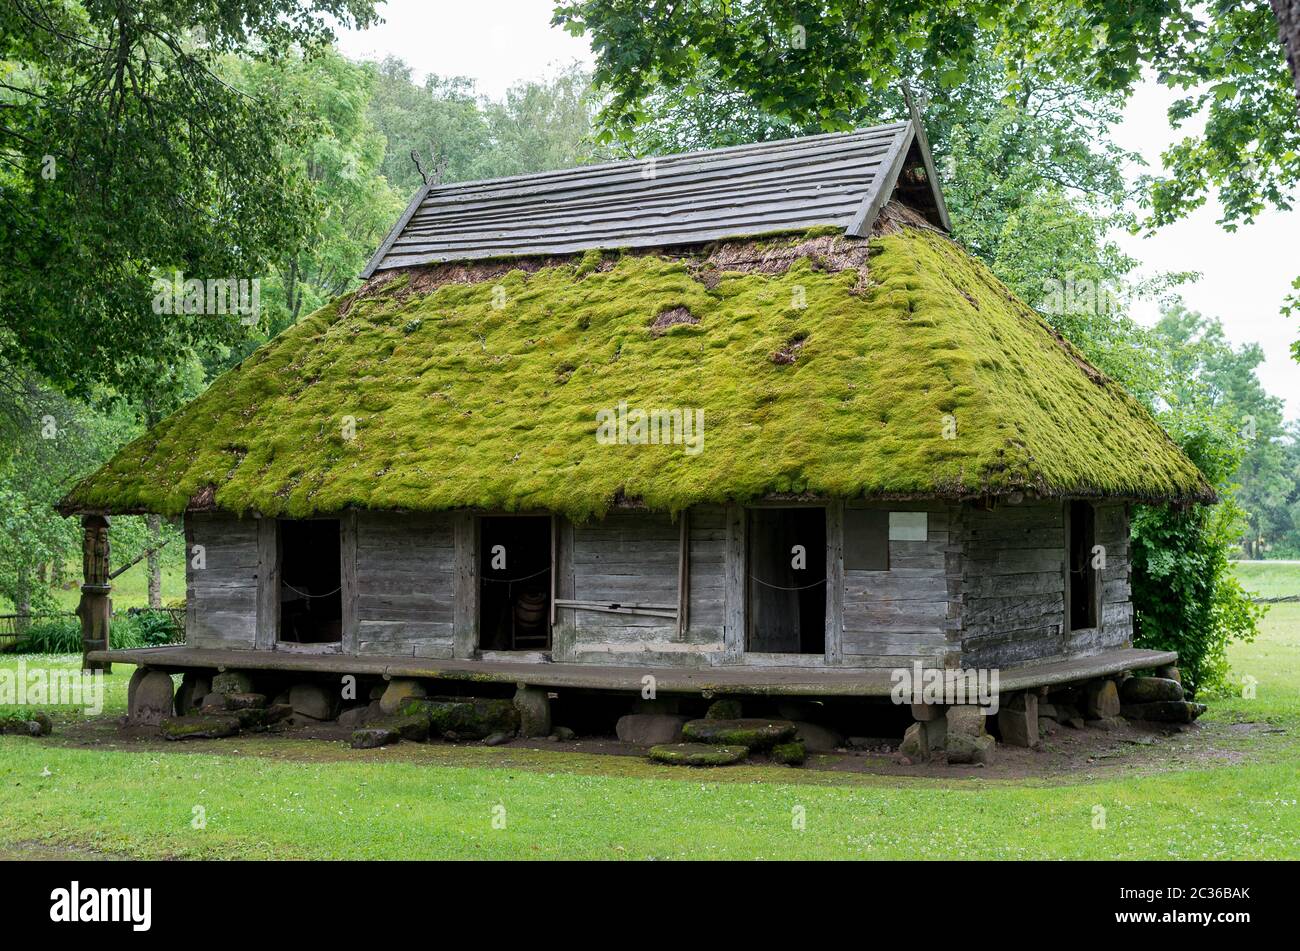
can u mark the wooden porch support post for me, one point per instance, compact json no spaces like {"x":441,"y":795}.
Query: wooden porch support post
{"x":96,"y":606}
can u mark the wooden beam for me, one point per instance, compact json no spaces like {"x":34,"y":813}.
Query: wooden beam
{"x":268,"y":584}
{"x":348,"y":580}
{"x":684,"y":575}
{"x":96,"y":606}
{"x":613,"y":607}
{"x":733,"y":600}
{"x":834,"y":582}
{"x":465,"y":585}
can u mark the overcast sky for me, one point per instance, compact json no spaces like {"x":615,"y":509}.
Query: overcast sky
{"x":1244,"y":275}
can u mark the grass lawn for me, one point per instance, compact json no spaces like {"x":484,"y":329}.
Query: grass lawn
{"x":130,"y":588}
{"x":284,"y":798}
{"x":1270,"y":579}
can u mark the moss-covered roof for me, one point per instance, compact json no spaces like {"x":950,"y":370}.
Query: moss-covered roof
{"x":485,"y":395}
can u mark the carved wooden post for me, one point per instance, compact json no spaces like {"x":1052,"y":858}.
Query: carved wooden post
{"x":95,"y":606}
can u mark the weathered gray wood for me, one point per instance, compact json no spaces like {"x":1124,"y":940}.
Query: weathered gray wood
{"x":835,"y":610}
{"x":268,"y":588}
{"x":222,"y":597}
{"x":684,"y":574}
{"x":891,"y":167}
{"x":733,"y":627}
{"x":839,"y":179}
{"x":825,"y":681}
{"x":465,"y":589}
{"x":406,"y":583}
{"x":348,"y":580}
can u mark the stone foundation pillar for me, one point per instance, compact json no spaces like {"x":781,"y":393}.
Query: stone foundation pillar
{"x":96,"y":606}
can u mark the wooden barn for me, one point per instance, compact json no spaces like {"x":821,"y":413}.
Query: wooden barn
{"x":736,"y":422}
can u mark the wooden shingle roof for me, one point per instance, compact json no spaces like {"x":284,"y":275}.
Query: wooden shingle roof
{"x":838,"y":180}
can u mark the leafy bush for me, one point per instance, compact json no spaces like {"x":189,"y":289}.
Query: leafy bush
{"x":55,"y":635}
{"x":1185,"y":596}
{"x":136,"y":628}
{"x":146,"y":628}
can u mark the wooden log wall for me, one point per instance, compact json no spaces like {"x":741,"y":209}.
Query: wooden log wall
{"x":405,"y":584}
{"x":985,"y":588}
{"x":221,"y":597}
{"x":900,"y":615}
{"x":1013,"y":590}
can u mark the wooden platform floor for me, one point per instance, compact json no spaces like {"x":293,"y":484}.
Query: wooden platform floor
{"x":783,"y":681}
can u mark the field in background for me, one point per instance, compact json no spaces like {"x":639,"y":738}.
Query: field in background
{"x":286,"y":798}
{"x":130,"y":588}
{"x":1269,"y":579}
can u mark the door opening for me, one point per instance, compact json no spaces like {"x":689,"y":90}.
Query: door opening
{"x":311,"y":596}
{"x":1082,"y":532}
{"x":514,"y":583}
{"x":787,"y":580}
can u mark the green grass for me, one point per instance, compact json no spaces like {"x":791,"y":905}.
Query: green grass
{"x":1269,"y":579}
{"x":130,"y":588}
{"x":287,"y":798}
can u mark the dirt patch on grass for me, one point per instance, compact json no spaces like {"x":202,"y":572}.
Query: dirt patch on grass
{"x":1066,"y":756}
{"x":30,"y":850}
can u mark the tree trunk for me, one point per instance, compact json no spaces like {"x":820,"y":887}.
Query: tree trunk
{"x":1288,"y":31}
{"x":153,"y":562}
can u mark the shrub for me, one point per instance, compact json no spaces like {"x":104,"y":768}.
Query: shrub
{"x":1185,"y":596}
{"x":136,"y":628}
{"x":55,"y":635}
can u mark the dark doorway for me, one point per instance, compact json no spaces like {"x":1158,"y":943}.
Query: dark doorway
{"x":787,"y":586}
{"x":1082,"y":533}
{"x":514,"y":598}
{"x":311,"y":597}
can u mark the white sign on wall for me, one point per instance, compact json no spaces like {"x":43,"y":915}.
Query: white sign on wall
{"x":908,"y":526}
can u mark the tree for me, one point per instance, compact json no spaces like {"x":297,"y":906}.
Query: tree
{"x":438,"y":113}
{"x":1207,"y":371}
{"x":124,"y":155}
{"x":817,"y":63}
{"x":1185,"y":595}
{"x":342,"y":159}
{"x":539,"y":126}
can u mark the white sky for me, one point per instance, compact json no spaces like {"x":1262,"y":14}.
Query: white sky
{"x":1245,"y":275}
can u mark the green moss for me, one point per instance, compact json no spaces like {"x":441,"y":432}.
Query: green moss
{"x":199,"y":727}
{"x":697,"y":754}
{"x":791,"y":754}
{"x":459,"y":402}
{"x":752,"y":734}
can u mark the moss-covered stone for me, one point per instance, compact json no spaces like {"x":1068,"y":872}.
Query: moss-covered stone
{"x":373,"y":737}
{"x":882,"y":377}
{"x":753,"y":734}
{"x":463,"y":718}
{"x":791,"y":754}
{"x":415,"y":728}
{"x":697,"y":754}
{"x":724,"y":710}
{"x":199,"y":727}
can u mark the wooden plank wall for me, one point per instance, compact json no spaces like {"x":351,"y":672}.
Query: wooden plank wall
{"x":221,"y":598}
{"x":894,"y":617}
{"x":1014,"y":585}
{"x":633,"y":558}
{"x":405,"y":571}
